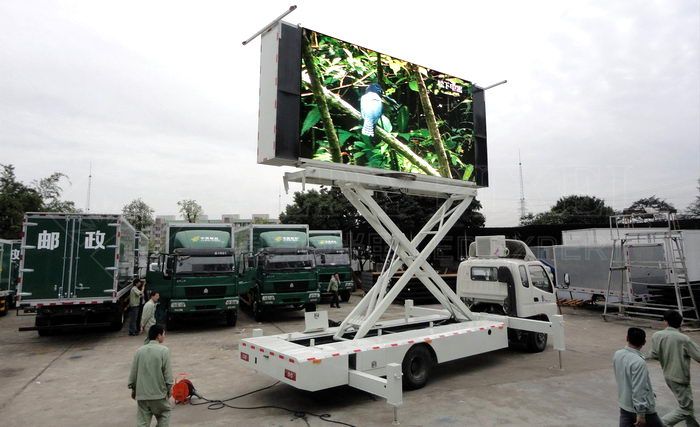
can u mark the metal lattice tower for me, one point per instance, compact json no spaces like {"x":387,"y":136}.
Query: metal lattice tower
{"x":523,"y":211}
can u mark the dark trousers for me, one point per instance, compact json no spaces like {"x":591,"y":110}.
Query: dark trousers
{"x":627,"y":419}
{"x":134,"y":320}
{"x":335,"y":302}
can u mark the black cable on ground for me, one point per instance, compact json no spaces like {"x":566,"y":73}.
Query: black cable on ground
{"x":215,"y":405}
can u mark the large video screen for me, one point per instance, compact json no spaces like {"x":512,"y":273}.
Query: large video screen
{"x":364,"y":108}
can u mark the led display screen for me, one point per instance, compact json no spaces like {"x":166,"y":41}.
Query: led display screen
{"x":328,"y":100}
{"x":365,"y":108}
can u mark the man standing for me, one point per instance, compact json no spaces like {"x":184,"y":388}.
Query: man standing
{"x":333,"y":289}
{"x":148,"y":317}
{"x":674,"y":350}
{"x":135,"y":306}
{"x":634,"y":393}
{"x":151,"y":379}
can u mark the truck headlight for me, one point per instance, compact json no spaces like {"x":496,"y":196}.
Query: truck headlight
{"x":177,"y":304}
{"x":314,"y":295}
{"x":231,"y":302}
{"x":268,"y":297}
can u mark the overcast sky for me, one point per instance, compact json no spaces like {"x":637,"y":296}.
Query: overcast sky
{"x":603,"y":97}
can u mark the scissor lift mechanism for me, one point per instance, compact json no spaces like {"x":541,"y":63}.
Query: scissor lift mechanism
{"x":295,"y":358}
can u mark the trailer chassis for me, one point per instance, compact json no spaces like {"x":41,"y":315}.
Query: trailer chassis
{"x":368,"y":354}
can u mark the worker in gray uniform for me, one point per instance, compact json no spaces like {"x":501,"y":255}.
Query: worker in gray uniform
{"x":635,"y":395}
{"x":674,"y":350}
{"x":151,"y":379}
{"x":148,"y":316}
{"x":135,"y":306}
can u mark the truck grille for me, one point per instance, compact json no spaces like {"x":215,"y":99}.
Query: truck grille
{"x":291,"y":286}
{"x":205,"y":291}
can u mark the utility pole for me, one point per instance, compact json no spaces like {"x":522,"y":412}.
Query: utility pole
{"x":522,"y":188}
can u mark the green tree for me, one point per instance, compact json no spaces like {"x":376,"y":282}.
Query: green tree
{"x":652,"y":202}
{"x":328,"y":209}
{"x":190,"y":209}
{"x":693,"y":210}
{"x":324,"y":209}
{"x":15,"y":199}
{"x":50,"y":190}
{"x":139,"y":214}
{"x":573,"y":209}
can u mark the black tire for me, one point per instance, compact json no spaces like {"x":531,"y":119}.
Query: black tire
{"x":258,"y":311}
{"x":416,"y":367}
{"x":231,"y":318}
{"x":310,"y":308}
{"x":117,"y":321}
{"x":535,"y":342}
{"x":45,"y":332}
{"x":345,"y":296}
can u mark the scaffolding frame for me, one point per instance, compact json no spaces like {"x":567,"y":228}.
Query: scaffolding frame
{"x":626,"y":234}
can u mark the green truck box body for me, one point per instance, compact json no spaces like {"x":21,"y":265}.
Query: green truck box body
{"x":328,"y":247}
{"x":75,"y":257}
{"x":9,"y":264}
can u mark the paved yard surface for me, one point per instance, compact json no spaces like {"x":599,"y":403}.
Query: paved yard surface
{"x":80,"y":379}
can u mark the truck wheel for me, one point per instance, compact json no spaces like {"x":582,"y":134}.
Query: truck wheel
{"x":258,"y":311}
{"x":535,"y":342}
{"x":345,"y":296}
{"x":117,"y":321}
{"x":310,"y":308}
{"x":416,"y":367}
{"x":231,"y":317}
{"x":45,"y":332}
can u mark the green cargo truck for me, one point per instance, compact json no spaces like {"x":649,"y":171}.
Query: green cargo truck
{"x":276,"y":268}
{"x":331,"y":257}
{"x":75,"y":270}
{"x":196,"y":275}
{"x":9,"y":272}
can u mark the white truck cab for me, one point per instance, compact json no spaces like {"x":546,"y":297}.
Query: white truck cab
{"x":503,"y":276}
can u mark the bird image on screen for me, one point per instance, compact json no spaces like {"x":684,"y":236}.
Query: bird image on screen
{"x":371,"y":108}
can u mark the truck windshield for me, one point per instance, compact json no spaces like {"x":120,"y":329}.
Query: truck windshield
{"x":332,"y":259}
{"x":192,"y":265}
{"x":288,"y":262}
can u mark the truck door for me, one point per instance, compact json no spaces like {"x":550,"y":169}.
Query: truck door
{"x":95,"y":262}
{"x":542,"y":290}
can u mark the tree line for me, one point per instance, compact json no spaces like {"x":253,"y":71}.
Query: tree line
{"x":322,"y":209}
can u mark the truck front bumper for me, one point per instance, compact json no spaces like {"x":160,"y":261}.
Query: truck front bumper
{"x":290,"y":298}
{"x":203,"y":305}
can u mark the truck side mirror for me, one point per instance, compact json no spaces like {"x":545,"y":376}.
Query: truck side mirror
{"x":169,"y":264}
{"x":153,"y":267}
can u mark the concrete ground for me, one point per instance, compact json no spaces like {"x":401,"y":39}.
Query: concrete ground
{"x":80,"y":379}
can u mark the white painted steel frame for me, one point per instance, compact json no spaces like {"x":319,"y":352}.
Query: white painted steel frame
{"x":358,"y":189}
{"x":375,"y":303}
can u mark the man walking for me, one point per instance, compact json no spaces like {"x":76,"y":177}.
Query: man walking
{"x":634,"y":393}
{"x":148,"y":317}
{"x":674,"y":350}
{"x":333,"y":289}
{"x":151,"y":379}
{"x":135,"y":306}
